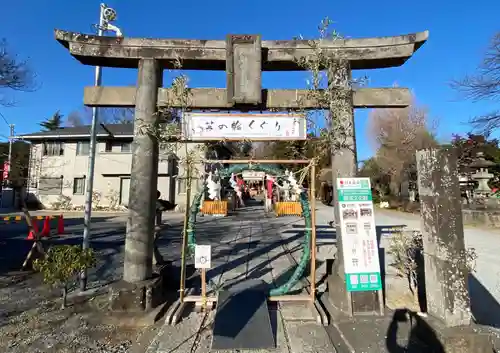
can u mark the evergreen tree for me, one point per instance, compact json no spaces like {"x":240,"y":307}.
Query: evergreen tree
{"x":53,"y":123}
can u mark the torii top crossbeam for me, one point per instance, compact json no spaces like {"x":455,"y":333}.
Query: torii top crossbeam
{"x":277,"y":55}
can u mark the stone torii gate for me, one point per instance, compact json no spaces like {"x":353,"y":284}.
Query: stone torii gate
{"x":243,"y":57}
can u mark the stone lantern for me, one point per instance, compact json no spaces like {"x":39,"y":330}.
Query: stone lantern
{"x":482,"y":176}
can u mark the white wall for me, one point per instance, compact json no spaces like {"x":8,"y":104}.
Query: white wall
{"x":110,"y":167}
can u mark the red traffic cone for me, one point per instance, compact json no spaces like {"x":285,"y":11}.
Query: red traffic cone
{"x":31,"y":234}
{"x":46,"y":228}
{"x":60,"y":225}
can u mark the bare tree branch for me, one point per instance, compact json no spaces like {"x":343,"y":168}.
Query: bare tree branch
{"x":75,"y":118}
{"x":484,"y":124}
{"x":396,"y":135}
{"x":119,"y":116}
{"x":106,"y":116}
{"x":484,"y":85}
{"x":14,"y":74}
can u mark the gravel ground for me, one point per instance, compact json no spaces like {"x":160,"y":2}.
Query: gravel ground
{"x":31,"y":320}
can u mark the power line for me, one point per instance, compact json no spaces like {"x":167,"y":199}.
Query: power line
{"x":4,"y":119}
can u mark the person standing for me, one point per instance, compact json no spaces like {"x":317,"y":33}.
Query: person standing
{"x":269,"y":193}
{"x":241,"y":190}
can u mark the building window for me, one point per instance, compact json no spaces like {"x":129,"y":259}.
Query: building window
{"x":181,"y":185}
{"x":79,"y":186}
{"x":53,"y":148}
{"x":109,"y":146}
{"x":126,"y":147}
{"x":114,"y":146}
{"x":83,"y":148}
{"x":50,"y":185}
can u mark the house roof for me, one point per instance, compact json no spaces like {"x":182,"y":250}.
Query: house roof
{"x":108,"y":130}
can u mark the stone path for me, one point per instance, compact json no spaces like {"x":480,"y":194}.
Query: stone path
{"x":249,"y":246}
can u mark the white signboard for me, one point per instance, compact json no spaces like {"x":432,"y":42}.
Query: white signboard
{"x":252,"y":175}
{"x":203,"y":256}
{"x":210,"y":126}
{"x":359,"y":237}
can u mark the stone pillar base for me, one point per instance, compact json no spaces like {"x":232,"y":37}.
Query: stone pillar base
{"x":459,"y":339}
{"x":337,"y":292}
{"x":136,"y":297}
{"x":137,"y":304}
{"x":469,"y":342}
{"x":361,"y":302}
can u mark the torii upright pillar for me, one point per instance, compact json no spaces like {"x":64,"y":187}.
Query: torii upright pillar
{"x":138,"y":264}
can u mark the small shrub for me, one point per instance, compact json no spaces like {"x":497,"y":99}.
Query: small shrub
{"x":96,"y":200}
{"x":63,"y":203}
{"x":62,"y":264}
{"x":406,"y":248}
{"x":113,"y":198}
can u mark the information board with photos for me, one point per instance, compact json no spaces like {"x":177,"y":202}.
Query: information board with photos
{"x":359,"y":237}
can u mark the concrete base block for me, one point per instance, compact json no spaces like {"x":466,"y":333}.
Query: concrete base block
{"x":297,"y":312}
{"x":136,"y":297}
{"x":460,"y":339}
{"x":406,"y":331}
{"x":136,"y":319}
{"x":468,"y":343}
{"x":362,"y":303}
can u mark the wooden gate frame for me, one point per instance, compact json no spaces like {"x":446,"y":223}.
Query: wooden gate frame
{"x":204,"y":300}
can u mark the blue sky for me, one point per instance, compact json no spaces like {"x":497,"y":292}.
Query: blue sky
{"x":459,"y":35}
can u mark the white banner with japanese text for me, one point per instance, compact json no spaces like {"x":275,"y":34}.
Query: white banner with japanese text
{"x":217,"y":126}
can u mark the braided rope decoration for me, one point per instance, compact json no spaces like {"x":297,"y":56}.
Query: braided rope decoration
{"x":306,"y":213}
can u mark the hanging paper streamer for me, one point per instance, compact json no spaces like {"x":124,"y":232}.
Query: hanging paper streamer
{"x":213,"y":187}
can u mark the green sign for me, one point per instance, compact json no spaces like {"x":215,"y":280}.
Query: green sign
{"x":359,"y":239}
{"x":351,"y":195}
{"x":357,"y":282}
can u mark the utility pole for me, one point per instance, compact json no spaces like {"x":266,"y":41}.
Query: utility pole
{"x":11,"y":140}
{"x":11,"y":137}
{"x":106,"y":15}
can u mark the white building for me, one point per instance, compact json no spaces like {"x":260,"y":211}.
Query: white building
{"x":59,"y":166}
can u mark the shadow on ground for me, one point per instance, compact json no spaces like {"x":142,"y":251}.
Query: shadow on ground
{"x":245,"y":252}
{"x":415,"y":336}
{"x":323,"y":232}
{"x":14,"y":246}
{"x":485,"y":308}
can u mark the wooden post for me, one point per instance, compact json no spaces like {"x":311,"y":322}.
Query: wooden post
{"x":37,"y":249}
{"x":185,"y":235}
{"x":312,"y":203}
{"x":204,"y":289}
